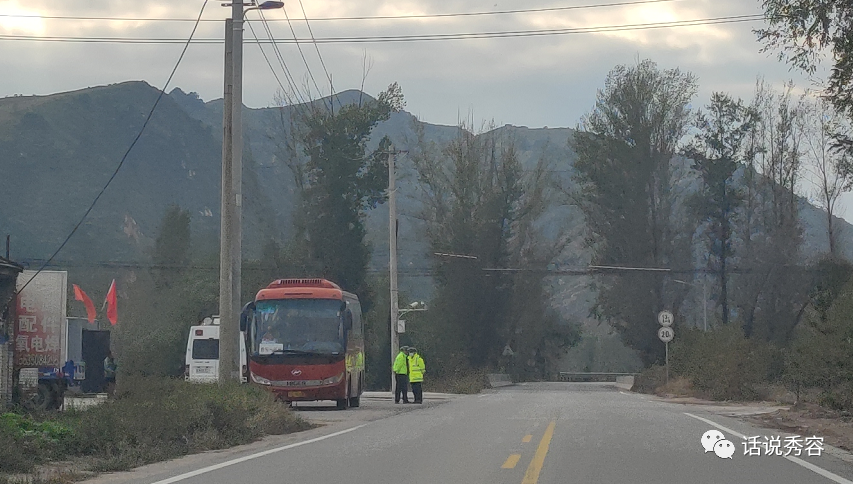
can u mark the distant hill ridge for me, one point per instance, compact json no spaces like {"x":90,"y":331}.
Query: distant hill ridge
{"x":57,"y":151}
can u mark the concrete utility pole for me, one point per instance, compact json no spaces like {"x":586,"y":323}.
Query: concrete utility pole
{"x":231,"y":243}
{"x":392,"y":238}
{"x":227,"y":326}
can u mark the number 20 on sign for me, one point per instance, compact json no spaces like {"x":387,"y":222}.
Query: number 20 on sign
{"x":666,"y":334}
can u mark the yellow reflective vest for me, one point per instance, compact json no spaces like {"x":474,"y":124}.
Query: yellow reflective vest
{"x":399,"y":366}
{"x":416,"y":368}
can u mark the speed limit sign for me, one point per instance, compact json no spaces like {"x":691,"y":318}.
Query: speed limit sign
{"x":666,"y":334}
{"x":665,"y":318}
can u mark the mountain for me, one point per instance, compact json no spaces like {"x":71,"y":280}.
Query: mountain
{"x":57,"y":152}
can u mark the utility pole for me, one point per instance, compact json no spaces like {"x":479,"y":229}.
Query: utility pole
{"x":231,"y":243}
{"x":227,"y":330}
{"x":392,"y":239}
{"x":233,"y":332}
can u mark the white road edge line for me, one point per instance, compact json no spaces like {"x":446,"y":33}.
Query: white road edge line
{"x":808,"y":465}
{"x":205,"y":470}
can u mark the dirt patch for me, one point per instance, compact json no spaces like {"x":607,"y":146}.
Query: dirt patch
{"x":807,"y":419}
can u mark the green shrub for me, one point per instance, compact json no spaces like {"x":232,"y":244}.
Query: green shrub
{"x":150,"y":419}
{"x":723,"y":364}
{"x":26,"y":442}
{"x":821,"y":354}
{"x":649,"y":379}
{"x":461,"y":382}
{"x":155,"y":418}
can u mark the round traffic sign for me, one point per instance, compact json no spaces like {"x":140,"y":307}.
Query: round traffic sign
{"x":666,"y":334}
{"x":665,"y":318}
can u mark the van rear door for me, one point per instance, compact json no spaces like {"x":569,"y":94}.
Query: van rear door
{"x":203,"y":354}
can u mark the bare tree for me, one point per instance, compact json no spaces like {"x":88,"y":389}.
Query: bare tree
{"x":822,"y":125}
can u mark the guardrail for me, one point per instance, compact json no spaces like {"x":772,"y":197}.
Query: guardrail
{"x":593,"y":376}
{"x":499,"y":380}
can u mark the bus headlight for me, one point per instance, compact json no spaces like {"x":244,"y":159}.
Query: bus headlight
{"x":333,"y":379}
{"x":260,"y":380}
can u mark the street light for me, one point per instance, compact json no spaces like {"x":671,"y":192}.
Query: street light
{"x":230,"y":248}
{"x":704,"y":299}
{"x":414,"y":307}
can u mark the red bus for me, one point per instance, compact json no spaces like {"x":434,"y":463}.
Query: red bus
{"x":305,"y":341}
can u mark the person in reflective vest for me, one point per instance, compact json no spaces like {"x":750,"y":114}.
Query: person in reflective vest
{"x":416,"y":374}
{"x":401,"y":376}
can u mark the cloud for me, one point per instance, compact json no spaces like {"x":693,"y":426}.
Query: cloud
{"x":533,"y":81}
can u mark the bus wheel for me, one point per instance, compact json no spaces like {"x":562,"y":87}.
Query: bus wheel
{"x":354,"y":402}
{"x":342,"y":403}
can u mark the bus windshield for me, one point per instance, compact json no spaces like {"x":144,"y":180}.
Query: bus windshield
{"x":298,"y":326}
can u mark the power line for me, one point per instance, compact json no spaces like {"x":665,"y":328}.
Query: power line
{"x":427,"y":271}
{"x":301,"y":54}
{"x":287,"y":73}
{"x":367,"y":17}
{"x":417,"y":37}
{"x":281,"y":62}
{"x":124,"y":157}
{"x":317,"y":48}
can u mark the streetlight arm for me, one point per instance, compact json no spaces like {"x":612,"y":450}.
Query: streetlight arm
{"x":406,"y":311}
{"x":264,"y":6}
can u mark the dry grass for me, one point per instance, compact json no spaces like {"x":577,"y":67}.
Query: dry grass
{"x":151,"y":419}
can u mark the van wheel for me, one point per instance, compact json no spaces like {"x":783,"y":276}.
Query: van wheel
{"x":341,"y":404}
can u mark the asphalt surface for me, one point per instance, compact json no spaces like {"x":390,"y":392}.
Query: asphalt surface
{"x":531,"y":433}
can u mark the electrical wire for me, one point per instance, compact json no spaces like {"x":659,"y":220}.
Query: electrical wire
{"x":298,"y":47}
{"x":374,"y":17}
{"x":429,"y":271}
{"x":419,"y":37}
{"x":317,"y":48}
{"x":124,"y":157}
{"x":282,"y":63}
{"x":287,"y":74}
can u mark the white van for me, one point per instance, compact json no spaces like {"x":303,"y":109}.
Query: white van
{"x":202,"y":358}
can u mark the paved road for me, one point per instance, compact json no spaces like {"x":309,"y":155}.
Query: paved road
{"x":534,"y":433}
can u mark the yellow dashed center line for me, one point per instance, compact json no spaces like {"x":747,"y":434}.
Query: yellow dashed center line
{"x":511,"y":461}
{"x":527,"y":438}
{"x":532,"y":474}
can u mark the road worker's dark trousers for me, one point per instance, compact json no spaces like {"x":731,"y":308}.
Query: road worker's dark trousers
{"x":418,"y":390}
{"x":402,"y":388}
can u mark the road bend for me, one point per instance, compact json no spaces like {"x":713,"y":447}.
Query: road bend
{"x":530,"y":433}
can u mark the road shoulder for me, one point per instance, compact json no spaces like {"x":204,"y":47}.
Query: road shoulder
{"x":375,"y":406}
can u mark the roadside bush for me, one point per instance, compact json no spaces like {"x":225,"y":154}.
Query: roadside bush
{"x":151,"y":419}
{"x":460,"y":382}
{"x":156,"y":418}
{"x":723,"y":364}
{"x":26,"y":442}
{"x":821,"y":354}
{"x":650,"y":379}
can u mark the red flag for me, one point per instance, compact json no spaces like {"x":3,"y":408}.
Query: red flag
{"x":90,"y":307}
{"x":112,"y":304}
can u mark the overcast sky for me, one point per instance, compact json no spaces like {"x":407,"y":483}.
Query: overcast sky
{"x":530,"y":81}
